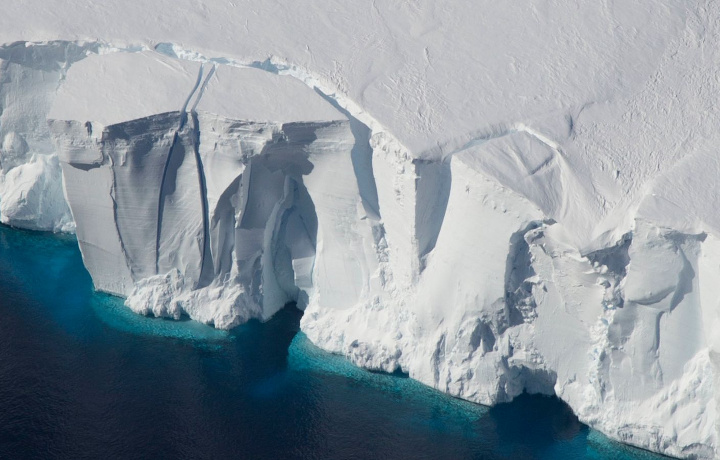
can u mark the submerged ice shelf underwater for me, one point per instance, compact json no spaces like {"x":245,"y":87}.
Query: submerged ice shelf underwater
{"x":116,"y":384}
{"x":513,"y":259}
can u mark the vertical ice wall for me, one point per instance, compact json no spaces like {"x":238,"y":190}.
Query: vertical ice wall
{"x":223,"y":193}
{"x":30,"y":183}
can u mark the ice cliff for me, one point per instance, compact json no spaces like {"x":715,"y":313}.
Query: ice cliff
{"x":494,"y":200}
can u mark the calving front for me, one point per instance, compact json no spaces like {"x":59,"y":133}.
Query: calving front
{"x":203,"y":187}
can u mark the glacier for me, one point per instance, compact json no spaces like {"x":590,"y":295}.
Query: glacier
{"x":492,"y":198}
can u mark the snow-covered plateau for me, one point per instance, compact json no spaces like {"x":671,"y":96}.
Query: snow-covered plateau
{"x":493,"y":197}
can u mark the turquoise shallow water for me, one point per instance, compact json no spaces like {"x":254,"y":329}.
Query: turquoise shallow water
{"x":83,"y":377}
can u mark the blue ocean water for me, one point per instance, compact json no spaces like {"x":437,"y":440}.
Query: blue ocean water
{"x":83,"y":377}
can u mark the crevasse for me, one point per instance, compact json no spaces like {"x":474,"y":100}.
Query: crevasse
{"x":206,"y":187}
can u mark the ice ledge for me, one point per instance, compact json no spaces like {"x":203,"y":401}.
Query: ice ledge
{"x":482,"y":275}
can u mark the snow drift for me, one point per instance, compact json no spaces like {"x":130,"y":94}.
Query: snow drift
{"x":543,"y":224}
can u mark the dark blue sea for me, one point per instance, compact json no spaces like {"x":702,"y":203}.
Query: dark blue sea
{"x":83,"y":377}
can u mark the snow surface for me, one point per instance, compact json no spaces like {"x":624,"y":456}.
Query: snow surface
{"x":494,"y":197}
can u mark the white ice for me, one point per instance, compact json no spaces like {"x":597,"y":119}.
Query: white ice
{"x":492,"y":197}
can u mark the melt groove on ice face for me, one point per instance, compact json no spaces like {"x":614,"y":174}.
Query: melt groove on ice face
{"x":207,"y":188}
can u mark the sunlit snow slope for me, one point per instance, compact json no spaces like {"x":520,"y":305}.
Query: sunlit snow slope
{"x":494,"y":197}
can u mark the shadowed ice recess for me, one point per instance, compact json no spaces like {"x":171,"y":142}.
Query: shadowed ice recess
{"x":81,"y":376}
{"x":484,"y":254}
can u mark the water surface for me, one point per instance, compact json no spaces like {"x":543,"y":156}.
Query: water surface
{"x":83,"y":377}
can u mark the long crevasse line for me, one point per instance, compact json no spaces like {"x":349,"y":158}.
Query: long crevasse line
{"x":183,"y":110}
{"x":202,"y":184}
{"x":176,"y":137}
{"x":204,"y":278}
{"x":203,"y":87}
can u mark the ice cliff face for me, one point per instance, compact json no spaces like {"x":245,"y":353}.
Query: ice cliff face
{"x":30,"y":183}
{"x":210,"y":196}
{"x":568,"y":245}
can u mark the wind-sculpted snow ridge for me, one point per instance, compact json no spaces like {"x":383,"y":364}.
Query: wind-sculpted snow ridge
{"x":566,"y":244}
